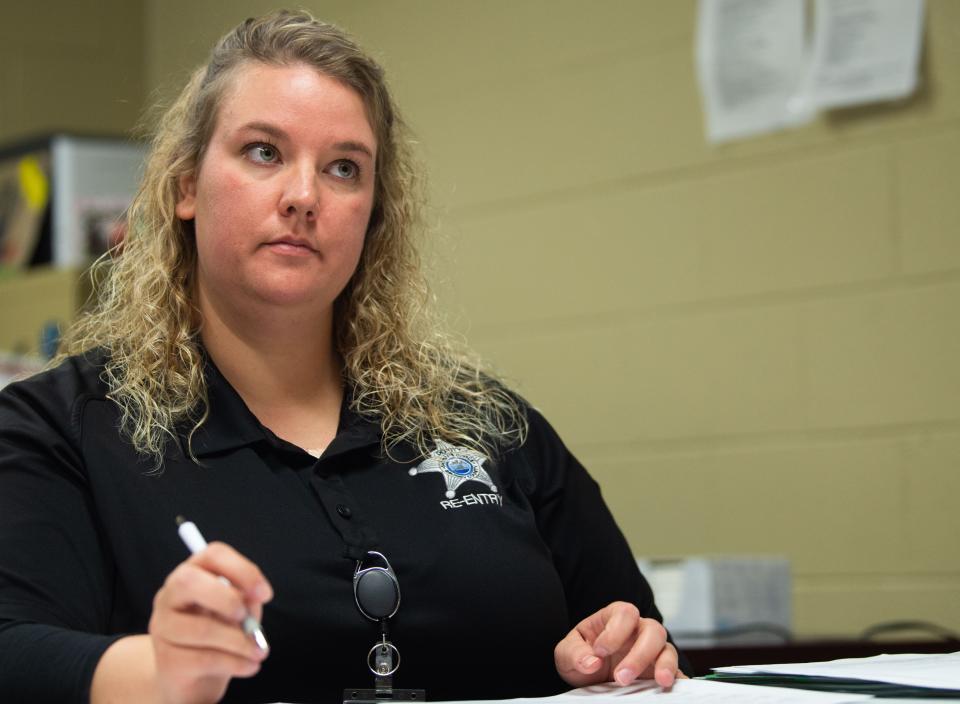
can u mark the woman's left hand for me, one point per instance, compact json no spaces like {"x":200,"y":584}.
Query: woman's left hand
{"x":617,"y":644}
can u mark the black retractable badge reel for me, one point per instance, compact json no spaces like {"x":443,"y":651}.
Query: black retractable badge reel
{"x":377,"y":593}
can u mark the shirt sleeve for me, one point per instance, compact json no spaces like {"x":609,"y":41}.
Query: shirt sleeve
{"x":55,"y":580}
{"x":591,"y":555}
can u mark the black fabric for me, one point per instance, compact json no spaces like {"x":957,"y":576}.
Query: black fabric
{"x":490,"y":579}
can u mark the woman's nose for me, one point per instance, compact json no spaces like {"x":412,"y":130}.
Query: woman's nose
{"x":301,"y":194}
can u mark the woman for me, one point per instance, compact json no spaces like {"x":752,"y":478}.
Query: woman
{"x":261,"y":362}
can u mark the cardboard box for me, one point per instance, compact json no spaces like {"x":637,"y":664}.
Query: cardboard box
{"x":706,"y":601}
{"x":36,"y":302}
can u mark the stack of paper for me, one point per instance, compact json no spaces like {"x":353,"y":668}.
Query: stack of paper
{"x":903,"y":675}
{"x":687,"y":692}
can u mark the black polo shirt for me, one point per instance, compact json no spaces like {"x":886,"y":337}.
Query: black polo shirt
{"x":497,"y":557}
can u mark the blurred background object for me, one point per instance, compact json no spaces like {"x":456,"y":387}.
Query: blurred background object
{"x":723,"y":600}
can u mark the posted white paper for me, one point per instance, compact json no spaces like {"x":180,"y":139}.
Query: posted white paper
{"x":750,"y":59}
{"x":864,"y":51}
{"x":938,"y":671}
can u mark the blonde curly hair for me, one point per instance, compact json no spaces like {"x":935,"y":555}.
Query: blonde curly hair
{"x":399,"y":368}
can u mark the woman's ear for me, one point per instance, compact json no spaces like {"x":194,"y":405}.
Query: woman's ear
{"x":187,"y":203}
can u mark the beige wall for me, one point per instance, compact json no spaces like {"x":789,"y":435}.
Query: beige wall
{"x":70,"y":65}
{"x":754,"y":347}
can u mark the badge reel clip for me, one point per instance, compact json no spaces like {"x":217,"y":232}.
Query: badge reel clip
{"x":377,"y":593}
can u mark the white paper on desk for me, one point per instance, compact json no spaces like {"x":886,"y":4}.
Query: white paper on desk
{"x":863,"y":51}
{"x":687,"y":692}
{"x":940,"y":671}
{"x":751,"y":64}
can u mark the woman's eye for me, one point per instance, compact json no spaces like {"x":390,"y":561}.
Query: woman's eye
{"x":263,"y":153}
{"x":345,"y":169}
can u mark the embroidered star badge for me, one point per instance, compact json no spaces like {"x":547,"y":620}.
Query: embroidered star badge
{"x":457,"y":464}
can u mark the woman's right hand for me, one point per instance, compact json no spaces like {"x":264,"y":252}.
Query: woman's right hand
{"x":195,"y":628}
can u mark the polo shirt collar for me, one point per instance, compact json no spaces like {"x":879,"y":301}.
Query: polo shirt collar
{"x":230,"y":424}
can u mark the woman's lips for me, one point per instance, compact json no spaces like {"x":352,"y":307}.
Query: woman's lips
{"x":291,"y":248}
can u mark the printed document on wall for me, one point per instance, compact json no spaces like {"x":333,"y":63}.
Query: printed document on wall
{"x":750,"y":58}
{"x":864,"y":51}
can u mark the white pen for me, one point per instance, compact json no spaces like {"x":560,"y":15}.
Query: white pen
{"x":195,"y":543}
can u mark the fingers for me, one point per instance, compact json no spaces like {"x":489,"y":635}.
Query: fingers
{"x":582,"y":656}
{"x":223,"y":560}
{"x":620,"y":621}
{"x":575,"y":660}
{"x":200,"y":669}
{"x":666,"y":670}
{"x":201,"y":631}
{"x":650,"y":656}
{"x":207,"y":596}
{"x":195,"y":627}
{"x":190,"y":587}
{"x":617,"y":643}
